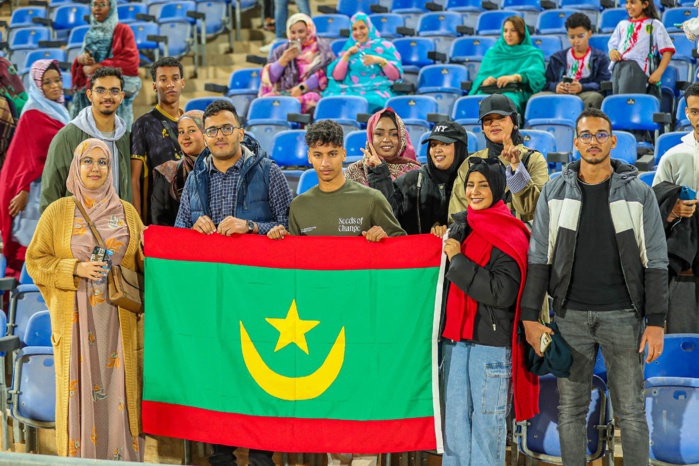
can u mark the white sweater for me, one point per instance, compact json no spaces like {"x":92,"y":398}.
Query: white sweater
{"x":680,"y":165}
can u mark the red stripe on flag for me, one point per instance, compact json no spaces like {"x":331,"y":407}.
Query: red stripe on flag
{"x":292,"y":435}
{"x":309,"y":253}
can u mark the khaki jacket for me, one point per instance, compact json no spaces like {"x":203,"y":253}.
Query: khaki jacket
{"x":50,"y":262}
{"x":524,"y":202}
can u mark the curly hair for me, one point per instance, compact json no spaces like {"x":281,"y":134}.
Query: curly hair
{"x":165,"y":62}
{"x":323,"y":133}
{"x":105,"y":72}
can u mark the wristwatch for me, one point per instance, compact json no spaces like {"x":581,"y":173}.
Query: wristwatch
{"x":303,"y":88}
{"x":251,"y":226}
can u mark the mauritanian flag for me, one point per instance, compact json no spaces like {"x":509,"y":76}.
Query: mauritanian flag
{"x":301,"y":345}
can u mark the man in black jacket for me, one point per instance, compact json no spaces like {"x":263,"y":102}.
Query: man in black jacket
{"x":598,"y":248}
{"x":579,"y":69}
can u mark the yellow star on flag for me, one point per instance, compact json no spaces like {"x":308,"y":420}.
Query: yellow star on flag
{"x":292,"y":329}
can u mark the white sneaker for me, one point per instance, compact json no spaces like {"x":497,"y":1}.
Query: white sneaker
{"x":266,"y":48}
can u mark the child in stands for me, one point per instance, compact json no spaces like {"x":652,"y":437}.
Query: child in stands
{"x":635,"y":46}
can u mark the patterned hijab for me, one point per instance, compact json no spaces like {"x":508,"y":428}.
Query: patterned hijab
{"x":102,"y":206}
{"x":98,"y":39}
{"x":37,"y":99}
{"x":406,"y":153}
{"x":316,"y":54}
{"x":177,"y":171}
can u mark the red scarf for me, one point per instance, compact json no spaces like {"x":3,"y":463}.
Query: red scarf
{"x":496,"y":227}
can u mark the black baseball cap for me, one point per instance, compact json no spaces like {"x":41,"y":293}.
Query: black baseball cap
{"x":448,"y":132}
{"x":496,"y":103}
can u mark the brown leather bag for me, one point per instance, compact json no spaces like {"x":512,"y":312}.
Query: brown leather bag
{"x":125,"y":285}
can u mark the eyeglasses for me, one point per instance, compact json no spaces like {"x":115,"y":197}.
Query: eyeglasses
{"x":601,"y":137}
{"x":88,"y":162}
{"x":226,"y":130}
{"x":100,"y":5}
{"x":115,"y":91}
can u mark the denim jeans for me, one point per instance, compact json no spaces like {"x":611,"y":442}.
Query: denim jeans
{"x":477,"y":396}
{"x":618,"y":334}
{"x":281,"y":13}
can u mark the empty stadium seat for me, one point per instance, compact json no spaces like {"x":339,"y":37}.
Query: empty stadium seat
{"x":609,"y":18}
{"x":680,"y":357}
{"x":127,"y":12}
{"x":410,"y":10}
{"x":441,"y":27}
{"x":593,"y":5}
{"x":682,"y":59}
{"x":387,"y":23}
{"x":329,"y":26}
{"x":179,"y":35}
{"x":666,"y":142}
{"x":290,"y":149}
{"x":199,"y":103}
{"x":548,"y":45}
{"x":632,"y":112}
{"x":553,"y":22}
{"x":465,"y":113}
{"x":683,"y":123}
{"x":217,"y":19}
{"x":343,"y":110}
{"x":600,"y":41}
{"x":24,"y":40}
{"x":677,"y":15}
{"x":542,"y":141}
{"x":470,"y":51}
{"x":465,"y":6}
{"x":67,"y":17}
{"x":23,"y":17}
{"x":354,"y":142}
{"x":350,"y":7}
{"x":443,"y":82}
{"x":413,"y":53}
{"x":243,"y":87}
{"x":555,"y":114}
{"x":75,"y":42}
{"x":267,"y":117}
{"x":141,"y":31}
{"x":414,"y":110}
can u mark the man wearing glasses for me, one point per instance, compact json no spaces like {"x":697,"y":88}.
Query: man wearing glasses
{"x":598,"y":248}
{"x":579,"y":69}
{"x":99,"y":121}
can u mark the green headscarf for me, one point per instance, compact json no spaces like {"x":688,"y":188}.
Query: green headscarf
{"x":523,"y":59}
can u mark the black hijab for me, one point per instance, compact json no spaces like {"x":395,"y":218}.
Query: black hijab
{"x":494,"y":149}
{"x":494,"y":171}
{"x":449,"y":175}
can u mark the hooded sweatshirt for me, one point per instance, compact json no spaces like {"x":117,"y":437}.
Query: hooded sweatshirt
{"x":680,"y":165}
{"x":60,"y":155}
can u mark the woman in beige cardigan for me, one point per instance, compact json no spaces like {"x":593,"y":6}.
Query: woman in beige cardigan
{"x":97,"y":346}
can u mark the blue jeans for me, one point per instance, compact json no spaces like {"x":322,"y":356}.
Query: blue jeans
{"x":477,"y":396}
{"x":619,"y":334}
{"x":281,"y":13}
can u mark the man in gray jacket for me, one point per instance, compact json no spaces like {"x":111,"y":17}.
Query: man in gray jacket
{"x":598,"y":248}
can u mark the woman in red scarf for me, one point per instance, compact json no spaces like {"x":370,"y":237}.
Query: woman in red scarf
{"x":483,"y":354}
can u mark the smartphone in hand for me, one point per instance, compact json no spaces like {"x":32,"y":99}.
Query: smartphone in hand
{"x":544,"y":342}
{"x":687,"y":194}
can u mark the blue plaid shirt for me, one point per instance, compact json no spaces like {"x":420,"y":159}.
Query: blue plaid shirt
{"x":223,"y":190}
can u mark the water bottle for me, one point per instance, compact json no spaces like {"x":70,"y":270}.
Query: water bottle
{"x":108,"y":260}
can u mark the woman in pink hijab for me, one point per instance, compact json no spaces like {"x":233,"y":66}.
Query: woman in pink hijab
{"x":97,"y":349}
{"x":387,"y":139}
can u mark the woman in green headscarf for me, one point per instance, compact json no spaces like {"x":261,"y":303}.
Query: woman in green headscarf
{"x":513,"y":62}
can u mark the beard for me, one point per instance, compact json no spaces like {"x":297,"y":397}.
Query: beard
{"x":108,"y":112}
{"x":595,"y":161}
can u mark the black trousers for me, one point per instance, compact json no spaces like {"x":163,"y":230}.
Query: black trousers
{"x":224,"y":456}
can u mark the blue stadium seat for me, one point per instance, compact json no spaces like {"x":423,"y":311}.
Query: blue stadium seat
{"x":683,"y":123}
{"x":668,"y":88}
{"x":179,"y":36}
{"x":413,"y":53}
{"x":267,"y":117}
{"x":200,"y":103}
{"x":24,"y":277}
{"x":553,"y":22}
{"x":354,"y":142}
{"x":414,"y":110}
{"x":682,"y":58}
{"x":443,"y":82}
{"x":593,"y":5}
{"x":141,"y":31}
{"x":329,"y":26}
{"x":465,"y":113}
{"x":647,"y":178}
{"x":538,"y":437}
{"x":387,"y":23}
{"x":470,"y":51}
{"x":678,"y":359}
{"x":75,"y":42}
{"x":672,"y":413}
{"x":67,"y":17}
{"x":666,"y":142}
{"x":22,"y":17}
{"x":632,"y":112}
{"x":39,"y":54}
{"x":243,"y":87}
{"x":38,"y":331}
{"x":490,"y":23}
{"x":33,"y":400}
{"x":441,"y":27}
{"x":350,"y":7}
{"x":290,"y":149}
{"x":342,"y":110}
{"x":548,"y":45}
{"x":308,"y":179}
{"x":522,"y":5}
{"x":555,"y":114}
{"x":24,"y":40}
{"x":216,"y":17}
{"x":337,"y":45}
{"x":600,"y":41}
{"x":673,"y":16}
{"x":410,"y":10}
{"x":465,"y":6}
{"x":609,"y":18}
{"x":128,"y":12}
{"x":540,"y":140}
{"x":154,"y":7}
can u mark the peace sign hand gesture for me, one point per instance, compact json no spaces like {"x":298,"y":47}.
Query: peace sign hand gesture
{"x":510,"y":152}
{"x":373,"y":159}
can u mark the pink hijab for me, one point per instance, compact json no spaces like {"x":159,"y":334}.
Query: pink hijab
{"x":406,"y":153}
{"x":102,"y":205}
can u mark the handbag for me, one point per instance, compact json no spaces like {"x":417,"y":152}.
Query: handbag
{"x":653,"y":63}
{"x":494,"y":89}
{"x":125,"y":285}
